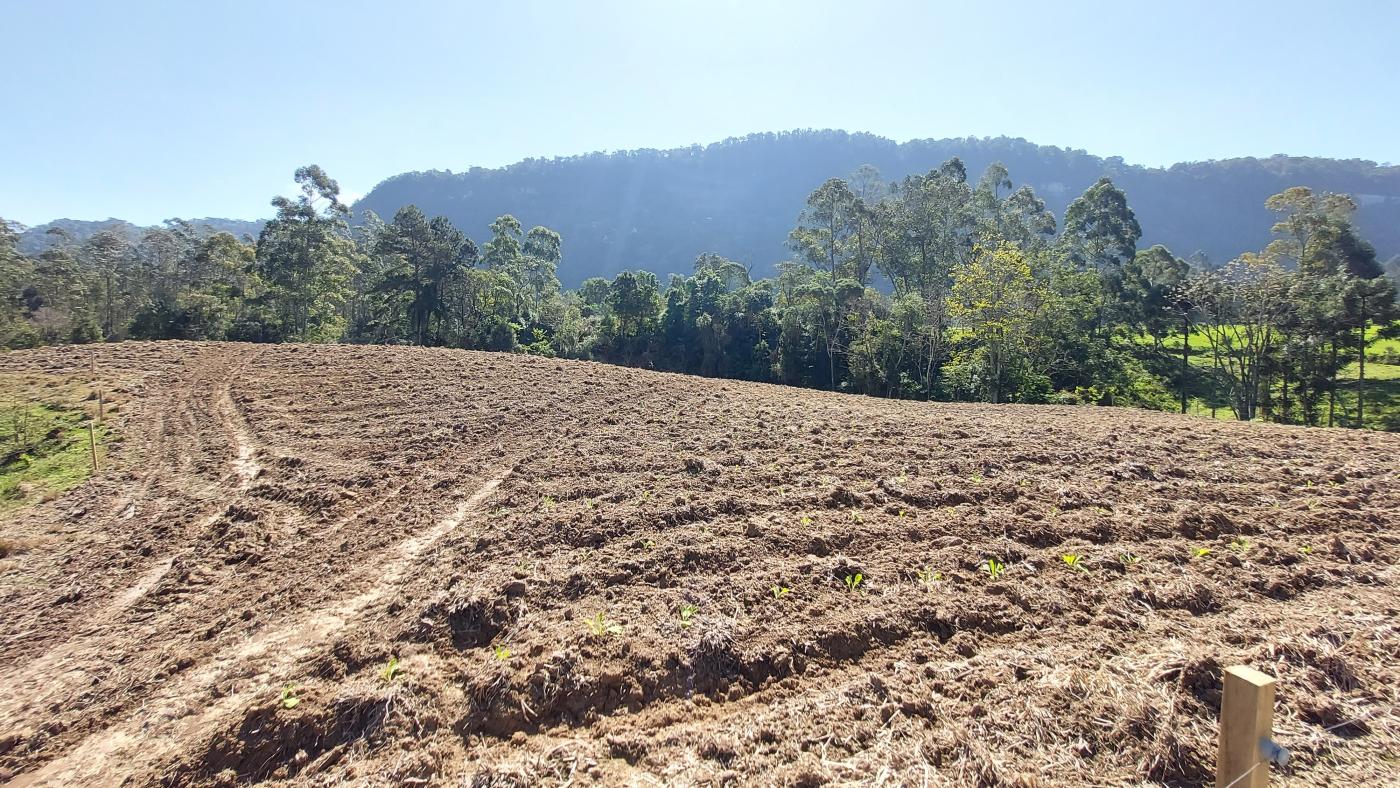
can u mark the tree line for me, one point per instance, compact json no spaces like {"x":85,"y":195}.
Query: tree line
{"x":935,"y":286}
{"x":658,"y":208}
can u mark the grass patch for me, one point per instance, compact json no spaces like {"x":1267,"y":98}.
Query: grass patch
{"x":44,"y":437}
{"x":1382,"y":382}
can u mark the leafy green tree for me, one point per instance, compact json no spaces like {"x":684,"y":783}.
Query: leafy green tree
{"x":307,"y":258}
{"x":996,"y":299}
{"x":16,"y":274}
{"x":632,"y":317}
{"x":1101,"y":234}
{"x":426,"y":258}
{"x":834,"y":232}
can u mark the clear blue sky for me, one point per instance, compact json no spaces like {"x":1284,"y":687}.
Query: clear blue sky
{"x":148,"y":110}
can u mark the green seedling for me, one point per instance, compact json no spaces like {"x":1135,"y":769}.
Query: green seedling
{"x":1240,"y":544}
{"x":1202,"y":552}
{"x":288,"y":698}
{"x":853,"y":582}
{"x":1306,"y":549}
{"x":928,"y":577}
{"x":501,"y":652}
{"x":391,"y":669}
{"x":855,"y":516}
{"x":1129,"y":559}
{"x":805,"y":520}
{"x":549,"y":502}
{"x":649,"y":544}
{"x":976,"y":478}
{"x":687,"y":613}
{"x":993,"y":568}
{"x":1074,"y":562}
{"x":902,"y":513}
{"x":780,"y":591}
{"x":601,"y":626}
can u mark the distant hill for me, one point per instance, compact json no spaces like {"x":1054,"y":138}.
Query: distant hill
{"x":38,"y":238}
{"x":658,"y":209}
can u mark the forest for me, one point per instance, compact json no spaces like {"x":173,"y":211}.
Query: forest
{"x":657,"y":209}
{"x":938,"y":286}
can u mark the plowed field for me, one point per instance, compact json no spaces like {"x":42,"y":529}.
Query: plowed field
{"x":400,"y":566}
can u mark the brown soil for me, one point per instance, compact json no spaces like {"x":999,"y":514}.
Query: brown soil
{"x":293,"y":517}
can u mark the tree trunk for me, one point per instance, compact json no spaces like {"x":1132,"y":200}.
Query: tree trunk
{"x":1361,"y":372}
{"x":1332,"y":390}
{"x":1185,"y":357}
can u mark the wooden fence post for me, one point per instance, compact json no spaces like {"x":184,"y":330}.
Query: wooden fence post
{"x":1246,"y":727}
{"x":92,"y":445}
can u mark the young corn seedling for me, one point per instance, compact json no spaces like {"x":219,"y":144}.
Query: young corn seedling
{"x":780,"y":591}
{"x":1240,"y":544}
{"x":1201,"y":552}
{"x":1129,"y":559}
{"x":1306,"y":549}
{"x":601,"y":626}
{"x":391,"y":669}
{"x":993,"y":568}
{"x":288,"y":698}
{"x":500,"y":652}
{"x":853,"y":582}
{"x":1074,"y":562}
{"x":928,"y":577}
{"x":687,"y":614}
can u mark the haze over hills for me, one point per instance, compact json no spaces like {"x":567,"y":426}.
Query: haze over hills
{"x":37,"y":238}
{"x":658,"y":209}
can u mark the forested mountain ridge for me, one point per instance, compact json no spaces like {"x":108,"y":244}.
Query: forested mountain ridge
{"x":658,"y":209}
{"x":33,"y":240}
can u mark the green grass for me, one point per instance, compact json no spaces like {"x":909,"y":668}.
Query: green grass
{"x":1382,"y":384}
{"x":1382,"y":399}
{"x":1199,"y":344}
{"x":43,"y":438}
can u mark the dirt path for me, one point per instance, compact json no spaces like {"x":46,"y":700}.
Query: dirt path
{"x":524,"y":538}
{"x":174,"y":718}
